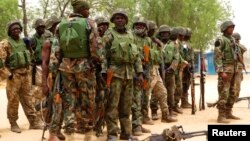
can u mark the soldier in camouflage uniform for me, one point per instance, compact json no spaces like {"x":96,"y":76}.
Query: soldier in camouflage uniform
{"x":49,"y":71}
{"x":188,"y":55}
{"x":77,"y":70}
{"x":15,"y":56}
{"x":226,"y":63}
{"x":117,"y":41}
{"x":163,"y":36}
{"x":239,"y":73}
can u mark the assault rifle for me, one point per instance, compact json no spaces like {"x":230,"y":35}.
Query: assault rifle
{"x":237,"y":100}
{"x":202,"y":81}
{"x":175,"y":133}
{"x":193,"y":91}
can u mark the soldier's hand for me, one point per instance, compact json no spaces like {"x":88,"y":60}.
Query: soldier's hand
{"x":224,"y":76}
{"x":45,"y":90}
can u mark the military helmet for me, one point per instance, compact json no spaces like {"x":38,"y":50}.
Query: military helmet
{"x":188,"y":32}
{"x":140,"y":20}
{"x":11,"y":23}
{"x":236,"y":36}
{"x":164,"y":28}
{"x":38,"y":22}
{"x":119,"y":11}
{"x":51,"y":21}
{"x":225,"y":25}
{"x":152,"y":25}
{"x":174,"y":31}
{"x":101,"y":20}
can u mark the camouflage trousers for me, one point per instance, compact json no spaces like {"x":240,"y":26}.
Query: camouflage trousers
{"x":186,"y":81}
{"x":238,"y":80}
{"x":178,"y":89}
{"x":78,"y":99}
{"x":226,"y":91}
{"x":18,"y":90}
{"x":136,"y":105}
{"x":159,"y":94}
{"x":170,"y":86}
{"x":119,"y":106}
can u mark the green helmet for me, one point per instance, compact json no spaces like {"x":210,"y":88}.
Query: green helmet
{"x":101,"y":20}
{"x":181,"y":30}
{"x":120,"y":11}
{"x":51,"y":21}
{"x":174,"y":31}
{"x":140,"y":20}
{"x":236,"y":36}
{"x":10,"y":24}
{"x":188,"y":32}
{"x":225,"y":25}
{"x":38,"y":22}
{"x":152,"y":25}
{"x":164,"y":28}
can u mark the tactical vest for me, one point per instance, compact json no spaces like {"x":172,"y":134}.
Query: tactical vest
{"x":123,"y":50}
{"x":73,"y":38}
{"x":38,"y":49}
{"x":169,"y":52}
{"x":20,"y":55}
{"x":155,"y":56}
{"x":226,"y":49}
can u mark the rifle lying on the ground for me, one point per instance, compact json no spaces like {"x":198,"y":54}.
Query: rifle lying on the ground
{"x":237,"y":100}
{"x":175,"y":133}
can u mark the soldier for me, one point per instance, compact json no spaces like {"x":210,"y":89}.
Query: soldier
{"x":239,"y":73}
{"x":188,"y":55}
{"x":141,"y":90}
{"x":78,"y":50}
{"x":15,"y":56}
{"x":225,"y":57}
{"x":50,"y":66}
{"x":163,"y":36}
{"x":121,"y":63}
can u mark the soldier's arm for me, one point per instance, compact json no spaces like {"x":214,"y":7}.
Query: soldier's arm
{"x":176,"y":58}
{"x":218,"y":56}
{"x":105,"y":50}
{"x":4,"y":51}
{"x":93,"y":36}
{"x":46,"y":50}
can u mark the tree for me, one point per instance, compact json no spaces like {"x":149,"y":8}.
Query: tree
{"x":9,"y":11}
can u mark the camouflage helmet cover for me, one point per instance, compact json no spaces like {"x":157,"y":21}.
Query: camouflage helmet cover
{"x":181,"y":30}
{"x":38,"y":23}
{"x":174,"y":31}
{"x":51,"y":21}
{"x":11,"y":23}
{"x":188,"y":32}
{"x":79,"y":4}
{"x":152,"y":25}
{"x":236,"y":36}
{"x":164,"y":28}
{"x":140,"y":20}
{"x":225,"y":25}
{"x":120,"y":11}
{"x":101,"y":20}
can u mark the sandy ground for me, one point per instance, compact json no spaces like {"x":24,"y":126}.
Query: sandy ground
{"x":190,"y":122}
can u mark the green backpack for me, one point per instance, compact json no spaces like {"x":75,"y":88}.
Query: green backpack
{"x":73,"y":38}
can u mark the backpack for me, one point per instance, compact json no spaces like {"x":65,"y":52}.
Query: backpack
{"x":73,"y":37}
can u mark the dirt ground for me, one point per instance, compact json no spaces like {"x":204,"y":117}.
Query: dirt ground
{"x":190,"y":122}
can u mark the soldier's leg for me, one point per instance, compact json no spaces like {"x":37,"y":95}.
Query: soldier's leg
{"x":178,"y":92}
{"x":170,"y":86}
{"x":112,"y":107}
{"x":153,"y":101}
{"x":145,"y":105}
{"x":186,"y":80}
{"x":26,"y":102}
{"x":12,"y":89}
{"x":238,"y":80}
{"x":124,"y":108}
{"x":161,"y":93}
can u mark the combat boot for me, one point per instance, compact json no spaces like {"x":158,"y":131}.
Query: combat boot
{"x":60,"y":135}
{"x":166,"y":117}
{"x":222,"y":117}
{"x":137,"y":131}
{"x":145,"y":130}
{"x":177,"y":110}
{"x":185,"y":104}
{"x":154,"y":115}
{"x":53,"y":137}
{"x":35,"y":123}
{"x":14,"y":127}
{"x":229,"y":114}
{"x":147,"y":120}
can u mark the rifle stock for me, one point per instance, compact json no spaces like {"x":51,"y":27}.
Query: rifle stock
{"x":202,"y":81}
{"x":193,"y":93}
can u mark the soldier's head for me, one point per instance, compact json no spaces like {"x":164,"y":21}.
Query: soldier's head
{"x":152,"y":27}
{"x":188,"y":34}
{"x":39,"y":25}
{"x":119,"y":18}
{"x":227,"y":27}
{"x":237,"y":37}
{"x":140,"y":26}
{"x":81,"y":7}
{"x":174,"y":34}
{"x":102,"y":24}
{"x":181,"y":32}
{"x":14,"y":28}
{"x":164,"y":32}
{"x":51,"y":23}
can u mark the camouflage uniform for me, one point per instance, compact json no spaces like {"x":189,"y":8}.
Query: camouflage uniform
{"x":239,"y":73}
{"x":226,"y":67}
{"x":79,"y":82}
{"x":16,"y":58}
{"x":121,"y":87}
{"x":188,"y":55}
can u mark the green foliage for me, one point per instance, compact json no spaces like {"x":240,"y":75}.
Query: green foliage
{"x":9,"y":11}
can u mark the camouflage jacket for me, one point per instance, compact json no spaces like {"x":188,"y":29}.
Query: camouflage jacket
{"x":120,"y":70}
{"x":188,"y":52}
{"x":243,"y":49}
